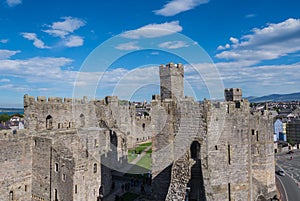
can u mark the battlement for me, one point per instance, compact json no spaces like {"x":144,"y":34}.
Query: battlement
{"x":111,"y":99}
{"x":156,"y":97}
{"x":171,"y":69}
{"x":30,"y":100}
{"x":233,"y":94}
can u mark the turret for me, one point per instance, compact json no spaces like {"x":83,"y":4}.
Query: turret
{"x":171,"y":81}
{"x":233,"y":94}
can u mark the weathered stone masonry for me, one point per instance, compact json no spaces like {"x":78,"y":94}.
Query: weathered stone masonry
{"x":209,"y":150}
{"x":204,"y":150}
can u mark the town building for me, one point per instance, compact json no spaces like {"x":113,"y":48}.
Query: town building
{"x":293,"y":131}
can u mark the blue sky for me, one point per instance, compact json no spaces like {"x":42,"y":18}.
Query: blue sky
{"x":98,"y":48}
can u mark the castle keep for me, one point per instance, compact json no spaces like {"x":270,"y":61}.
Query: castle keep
{"x":202,"y":150}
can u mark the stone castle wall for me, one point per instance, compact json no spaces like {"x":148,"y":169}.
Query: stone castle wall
{"x":230,"y":167}
{"x":208,"y":150}
{"x":16,"y":167}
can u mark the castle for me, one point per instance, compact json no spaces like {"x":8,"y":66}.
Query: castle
{"x":202,"y":150}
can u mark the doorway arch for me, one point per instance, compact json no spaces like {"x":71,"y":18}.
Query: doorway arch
{"x":196,"y":184}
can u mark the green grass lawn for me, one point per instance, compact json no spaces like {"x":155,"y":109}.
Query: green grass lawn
{"x":133,"y":153}
{"x":131,"y":157}
{"x":145,"y":162}
{"x":147,"y":144}
{"x":143,"y":165}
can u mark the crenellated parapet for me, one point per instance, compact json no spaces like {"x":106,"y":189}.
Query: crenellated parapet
{"x":171,"y":69}
{"x":56,"y":113}
{"x":31,"y":100}
{"x":233,"y":94}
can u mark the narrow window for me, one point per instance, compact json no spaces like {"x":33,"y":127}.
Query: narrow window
{"x":82,"y":120}
{"x":11,"y":195}
{"x":25,"y":188}
{"x":56,"y":167}
{"x":58,"y":126}
{"x":143,"y":127}
{"x":95,"y":143}
{"x":49,"y":121}
{"x":95,"y":168}
{"x":257,"y":136}
{"x":229,"y":193}
{"x":253,"y":132}
{"x":216,"y":147}
{"x":55,"y":195}
{"x":75,"y":189}
{"x":87,"y":148}
{"x":229,"y":156}
{"x":64,"y":177}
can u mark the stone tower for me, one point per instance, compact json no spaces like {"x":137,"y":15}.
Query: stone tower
{"x":233,"y":94}
{"x":171,"y":81}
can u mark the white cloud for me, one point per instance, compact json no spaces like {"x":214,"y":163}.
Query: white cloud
{"x":177,"y":6}
{"x":13,"y":3}
{"x":6,"y":54}
{"x":19,"y":88}
{"x":4,"y":80}
{"x":234,"y":40}
{"x":266,"y":78}
{"x":173,"y":44}
{"x":270,"y":42}
{"x":128,"y":46}
{"x":74,"y":41}
{"x":153,"y":30}
{"x":56,"y":33}
{"x":38,"y":69}
{"x":65,"y":27}
{"x":132,"y":81}
{"x":250,"y":15}
{"x":254,"y":80}
{"x":36,"y":42}
{"x":3,"y":40}
{"x":220,"y":47}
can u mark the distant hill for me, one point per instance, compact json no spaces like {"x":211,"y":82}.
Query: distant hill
{"x":276,"y":97}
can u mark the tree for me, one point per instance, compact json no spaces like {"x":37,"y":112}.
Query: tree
{"x":291,"y":142}
{"x":4,"y":117}
{"x":18,"y":115}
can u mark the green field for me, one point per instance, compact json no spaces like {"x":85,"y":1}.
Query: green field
{"x":143,"y":165}
{"x":145,"y":162}
{"x":133,"y":153}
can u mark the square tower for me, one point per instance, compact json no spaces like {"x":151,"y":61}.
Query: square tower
{"x":171,"y":81}
{"x":233,"y":94}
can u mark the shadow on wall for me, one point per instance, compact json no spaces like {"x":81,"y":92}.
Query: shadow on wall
{"x":196,"y":184}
